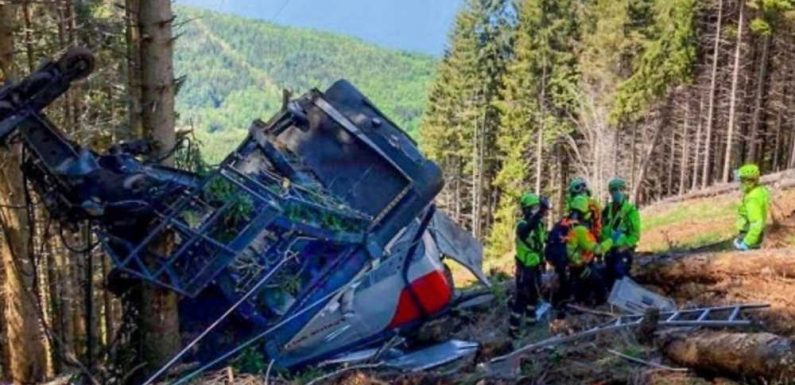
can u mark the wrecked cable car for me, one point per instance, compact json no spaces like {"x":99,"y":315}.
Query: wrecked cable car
{"x":316,"y":237}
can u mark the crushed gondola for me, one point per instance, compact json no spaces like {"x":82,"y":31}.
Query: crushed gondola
{"x":316,"y":237}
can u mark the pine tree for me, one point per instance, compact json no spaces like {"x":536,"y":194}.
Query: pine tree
{"x":459,"y":128}
{"x":442,"y":137}
{"x":609,"y":40}
{"x":666,"y":61}
{"x":25,"y":360}
{"x":536,"y":105}
{"x":158,"y":307}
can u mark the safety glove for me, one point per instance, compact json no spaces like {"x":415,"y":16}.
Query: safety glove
{"x":740,"y":245}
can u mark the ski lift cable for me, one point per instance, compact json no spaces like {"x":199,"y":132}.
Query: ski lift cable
{"x":254,"y":339}
{"x":217,"y":322}
{"x":279,"y":11}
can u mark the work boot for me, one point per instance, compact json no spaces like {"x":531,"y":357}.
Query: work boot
{"x":513,"y":325}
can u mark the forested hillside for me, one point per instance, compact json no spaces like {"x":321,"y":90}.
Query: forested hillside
{"x":672,"y":95}
{"x":234,"y":70}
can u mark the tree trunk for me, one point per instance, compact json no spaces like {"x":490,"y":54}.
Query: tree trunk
{"x":751,"y":355}
{"x":26,"y":358}
{"x":633,"y":181}
{"x":792,"y":152}
{"x":540,"y":135}
{"x":6,"y":69}
{"x":694,"y":181}
{"x":88,"y":299}
{"x":539,"y":155}
{"x":652,"y":145}
{"x":459,"y":194}
{"x":7,"y":16}
{"x":28,"y":35}
{"x":56,"y":289}
{"x":477,"y":174}
{"x":133,"y":37}
{"x":777,"y":141}
{"x":616,"y":145}
{"x":756,"y":120}
{"x":733,"y":98}
{"x":683,"y":166}
{"x":671,"y":158}
{"x":711,"y":100}
{"x":159,"y":318}
{"x":108,"y":306}
{"x":563,"y":160}
{"x":671,"y":271}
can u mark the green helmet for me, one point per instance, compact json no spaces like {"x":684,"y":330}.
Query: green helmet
{"x":617,"y":184}
{"x":580,"y":204}
{"x":529,"y":200}
{"x":748,"y":171}
{"x":577,"y":186}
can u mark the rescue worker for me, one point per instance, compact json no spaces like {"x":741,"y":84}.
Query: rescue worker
{"x":582,"y":247}
{"x":531,"y":233}
{"x":556,"y":256}
{"x":752,"y":213}
{"x":620,"y":224}
{"x":579,"y":187}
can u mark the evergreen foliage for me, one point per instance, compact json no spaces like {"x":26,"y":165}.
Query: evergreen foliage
{"x":667,"y":59}
{"x":536,"y":99}
{"x":234,"y":70}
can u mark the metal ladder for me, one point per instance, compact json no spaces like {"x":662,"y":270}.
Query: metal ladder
{"x":705,"y":316}
{"x":720,"y":316}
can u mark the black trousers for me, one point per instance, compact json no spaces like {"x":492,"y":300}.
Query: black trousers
{"x":588,"y":288}
{"x":524,"y":303}
{"x":563,"y":292}
{"x":618,"y":264}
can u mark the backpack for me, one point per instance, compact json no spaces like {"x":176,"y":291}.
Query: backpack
{"x":555,"y":252}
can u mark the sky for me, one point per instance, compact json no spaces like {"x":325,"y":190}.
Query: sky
{"x":408,"y":25}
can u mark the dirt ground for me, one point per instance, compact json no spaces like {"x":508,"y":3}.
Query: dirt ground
{"x":707,"y":221}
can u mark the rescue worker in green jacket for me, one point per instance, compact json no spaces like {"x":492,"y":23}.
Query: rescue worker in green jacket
{"x":531,"y":234}
{"x":752,"y":213}
{"x":582,"y":247}
{"x":621,"y":225}
{"x":579,"y":187}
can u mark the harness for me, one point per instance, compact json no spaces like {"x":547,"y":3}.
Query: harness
{"x":532,"y":245}
{"x":577,"y":257}
{"x":616,"y":218}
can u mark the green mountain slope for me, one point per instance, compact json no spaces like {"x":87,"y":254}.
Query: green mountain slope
{"x":235,"y":69}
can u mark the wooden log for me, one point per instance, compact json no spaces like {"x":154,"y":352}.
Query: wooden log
{"x":666,"y":271}
{"x":750,"y":355}
{"x":780,"y":180}
{"x":645,"y":332}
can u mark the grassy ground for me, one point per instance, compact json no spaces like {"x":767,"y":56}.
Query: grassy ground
{"x":702,"y":222}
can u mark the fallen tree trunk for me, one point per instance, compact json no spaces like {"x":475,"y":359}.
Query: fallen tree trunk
{"x":667,"y":271}
{"x":757,"y":355}
{"x":780,"y":180}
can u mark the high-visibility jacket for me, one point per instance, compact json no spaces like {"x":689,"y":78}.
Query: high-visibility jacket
{"x":582,"y":245}
{"x":752,"y":215}
{"x":594,"y":223}
{"x":624,"y":221}
{"x":530,"y":239}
